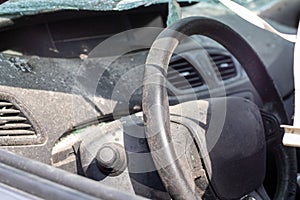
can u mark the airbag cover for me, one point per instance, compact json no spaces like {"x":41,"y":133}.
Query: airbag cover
{"x":238,"y":157}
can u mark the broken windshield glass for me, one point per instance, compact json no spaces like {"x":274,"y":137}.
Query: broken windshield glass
{"x":30,"y":7}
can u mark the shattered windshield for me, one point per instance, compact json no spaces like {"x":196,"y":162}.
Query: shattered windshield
{"x":30,"y":7}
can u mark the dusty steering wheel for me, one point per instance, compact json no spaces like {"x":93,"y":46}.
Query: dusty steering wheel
{"x":156,"y":106}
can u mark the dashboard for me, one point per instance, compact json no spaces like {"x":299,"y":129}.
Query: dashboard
{"x":50,"y":70}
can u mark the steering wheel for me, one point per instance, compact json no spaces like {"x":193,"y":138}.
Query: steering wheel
{"x":156,"y":106}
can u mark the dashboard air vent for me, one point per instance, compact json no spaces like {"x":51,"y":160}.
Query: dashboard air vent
{"x":13,"y":122}
{"x":225,"y":66}
{"x":183,"y":75}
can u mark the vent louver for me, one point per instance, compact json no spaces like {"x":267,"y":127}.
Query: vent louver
{"x":225,"y":66}
{"x":13,"y":122}
{"x":182,"y":75}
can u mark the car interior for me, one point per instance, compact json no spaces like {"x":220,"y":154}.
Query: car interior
{"x":121,"y":104}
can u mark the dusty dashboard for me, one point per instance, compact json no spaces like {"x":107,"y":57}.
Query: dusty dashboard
{"x":53,"y":81}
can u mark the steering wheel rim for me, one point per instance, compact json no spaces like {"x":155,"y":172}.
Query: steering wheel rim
{"x":156,"y":106}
